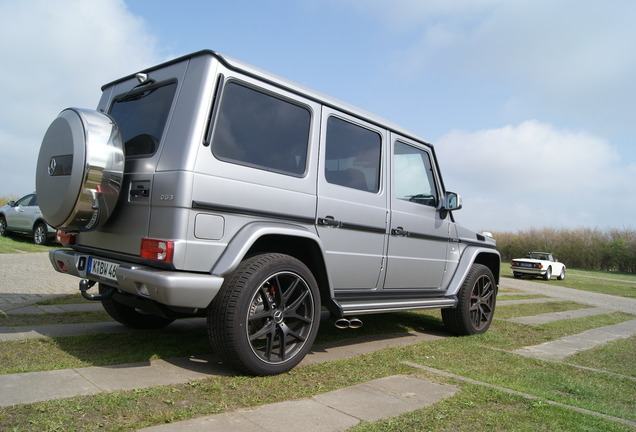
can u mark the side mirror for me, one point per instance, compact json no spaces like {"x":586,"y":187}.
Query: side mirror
{"x":11,"y":203}
{"x":452,"y":201}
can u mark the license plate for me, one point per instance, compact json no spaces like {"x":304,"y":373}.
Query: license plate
{"x":105,"y":269}
{"x":526,"y":265}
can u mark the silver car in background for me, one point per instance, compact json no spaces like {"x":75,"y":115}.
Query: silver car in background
{"x":24,"y":216}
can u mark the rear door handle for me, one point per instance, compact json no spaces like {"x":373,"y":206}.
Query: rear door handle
{"x":329,"y":221}
{"x":399,"y":231}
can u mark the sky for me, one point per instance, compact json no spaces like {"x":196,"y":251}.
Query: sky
{"x":530,"y":104}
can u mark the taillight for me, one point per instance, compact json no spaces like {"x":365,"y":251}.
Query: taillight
{"x":157,"y":250}
{"x":65,"y":238}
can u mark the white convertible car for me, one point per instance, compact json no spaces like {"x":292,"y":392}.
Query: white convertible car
{"x":538,"y":264}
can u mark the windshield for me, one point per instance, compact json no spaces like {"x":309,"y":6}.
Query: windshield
{"x":141,"y":117}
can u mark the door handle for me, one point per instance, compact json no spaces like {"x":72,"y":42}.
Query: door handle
{"x":399,"y":231}
{"x":329,"y":221}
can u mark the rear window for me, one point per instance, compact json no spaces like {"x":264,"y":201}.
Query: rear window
{"x":260,"y":130}
{"x":141,"y":117}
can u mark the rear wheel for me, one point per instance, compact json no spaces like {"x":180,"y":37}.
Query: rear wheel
{"x":476,"y":303}
{"x":130,"y":316}
{"x":561,"y":275}
{"x":265,"y":318}
{"x":40,"y":233}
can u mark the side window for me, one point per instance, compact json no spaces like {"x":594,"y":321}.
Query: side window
{"x":259,"y":130}
{"x":26,"y":201}
{"x":352,"y":156}
{"x":413,"y":178}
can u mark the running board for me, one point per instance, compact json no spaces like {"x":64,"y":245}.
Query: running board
{"x":366,"y":306}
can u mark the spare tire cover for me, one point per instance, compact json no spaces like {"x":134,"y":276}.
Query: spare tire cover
{"x":80,"y":170}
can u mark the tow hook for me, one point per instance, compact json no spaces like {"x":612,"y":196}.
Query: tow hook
{"x":86,"y":284}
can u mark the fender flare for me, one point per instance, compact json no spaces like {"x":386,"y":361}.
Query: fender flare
{"x":245,"y":238}
{"x":470,"y":256}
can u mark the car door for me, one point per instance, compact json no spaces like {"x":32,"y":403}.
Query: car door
{"x":352,"y":201}
{"x":20,"y":216}
{"x":419,"y":236}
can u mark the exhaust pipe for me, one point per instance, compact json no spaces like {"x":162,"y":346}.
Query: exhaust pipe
{"x":344,"y":323}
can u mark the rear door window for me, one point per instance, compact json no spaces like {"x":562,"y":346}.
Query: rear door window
{"x":259,"y":130}
{"x":352,"y":156}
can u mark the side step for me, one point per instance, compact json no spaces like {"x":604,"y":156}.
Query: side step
{"x":351,"y":306}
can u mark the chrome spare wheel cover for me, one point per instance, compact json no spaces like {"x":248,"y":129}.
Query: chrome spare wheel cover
{"x":80,"y":170}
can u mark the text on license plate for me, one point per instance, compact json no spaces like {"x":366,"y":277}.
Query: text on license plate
{"x":102,"y":268}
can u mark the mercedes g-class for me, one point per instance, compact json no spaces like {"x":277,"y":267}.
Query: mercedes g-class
{"x":206,"y":187}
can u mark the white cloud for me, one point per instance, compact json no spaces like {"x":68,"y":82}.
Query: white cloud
{"x":534,"y":174}
{"x":569,"y":60}
{"x":55,"y":55}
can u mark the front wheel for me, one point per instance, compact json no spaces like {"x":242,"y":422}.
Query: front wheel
{"x":265,"y":318}
{"x":476,"y":303}
{"x":548,"y":274}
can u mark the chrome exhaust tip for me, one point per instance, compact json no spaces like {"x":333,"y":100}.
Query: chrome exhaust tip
{"x":344,"y":323}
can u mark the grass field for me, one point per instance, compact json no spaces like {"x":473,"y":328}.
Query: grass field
{"x":17,"y":243}
{"x":601,"y":380}
{"x":485,"y":358}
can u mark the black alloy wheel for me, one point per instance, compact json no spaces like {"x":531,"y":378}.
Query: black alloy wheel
{"x":476,"y":303}
{"x":266,"y":316}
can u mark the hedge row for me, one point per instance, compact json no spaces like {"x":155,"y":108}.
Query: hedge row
{"x":586,"y":248}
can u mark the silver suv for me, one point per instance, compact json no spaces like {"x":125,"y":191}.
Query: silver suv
{"x":206,"y":187}
{"x":24,"y":216}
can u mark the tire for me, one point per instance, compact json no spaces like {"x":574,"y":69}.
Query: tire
{"x":517,"y":275}
{"x":548,"y":274}
{"x":40,"y":233}
{"x":266,"y":316}
{"x":3,"y":226}
{"x":476,"y":303}
{"x":131,"y":317}
{"x":561,"y":275}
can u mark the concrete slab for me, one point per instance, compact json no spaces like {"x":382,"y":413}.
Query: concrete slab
{"x":558,"y":316}
{"x":569,"y":345}
{"x":43,"y":386}
{"x":385,"y":397}
{"x":303,"y":414}
{"x":195,"y":367}
{"x":62,"y":330}
{"x":328,"y":352}
{"x":329,"y":412}
{"x":526,"y":301}
{"x":130,"y":376}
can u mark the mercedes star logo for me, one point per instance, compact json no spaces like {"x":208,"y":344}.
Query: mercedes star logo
{"x":52,"y":165}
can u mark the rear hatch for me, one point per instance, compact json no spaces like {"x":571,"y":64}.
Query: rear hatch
{"x":142,"y":107}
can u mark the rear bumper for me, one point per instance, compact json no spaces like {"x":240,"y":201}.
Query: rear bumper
{"x":171,"y":288}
